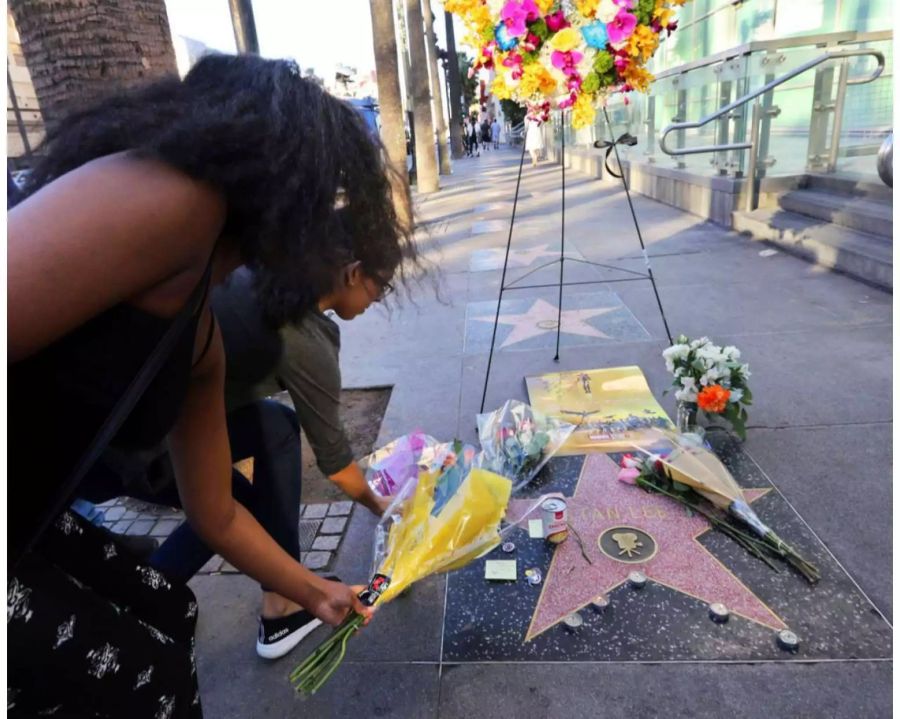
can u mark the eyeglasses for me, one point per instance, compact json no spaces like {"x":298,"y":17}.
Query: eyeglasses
{"x":384,"y":289}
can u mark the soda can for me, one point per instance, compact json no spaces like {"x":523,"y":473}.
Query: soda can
{"x":554,"y":520}
{"x":508,"y":547}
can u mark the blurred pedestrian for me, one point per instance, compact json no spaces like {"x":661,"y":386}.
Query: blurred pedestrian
{"x":534,"y":140}
{"x":495,"y":133}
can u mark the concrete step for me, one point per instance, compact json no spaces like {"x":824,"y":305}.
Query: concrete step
{"x":858,"y":213}
{"x":845,"y":184}
{"x":858,"y":254}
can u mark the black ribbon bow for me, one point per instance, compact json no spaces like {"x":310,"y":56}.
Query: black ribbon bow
{"x":623,"y":139}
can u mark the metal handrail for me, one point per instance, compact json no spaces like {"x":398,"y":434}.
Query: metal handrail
{"x":832,"y":55}
{"x":848,"y":37}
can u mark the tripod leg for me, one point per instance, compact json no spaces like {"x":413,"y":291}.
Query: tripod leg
{"x":512,"y":221}
{"x":562,"y":241}
{"x":638,"y":228}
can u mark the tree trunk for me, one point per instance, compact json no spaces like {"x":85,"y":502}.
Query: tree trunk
{"x":389,"y":99}
{"x":455,"y":99}
{"x":78,"y":51}
{"x":437,"y":106}
{"x":426,"y":162}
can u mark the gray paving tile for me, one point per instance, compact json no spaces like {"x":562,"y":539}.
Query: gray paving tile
{"x":141,"y":527}
{"x":122,"y":526}
{"x":327,"y":543}
{"x":317,"y":560}
{"x":229,"y":568}
{"x":315,"y":511}
{"x":113,"y":514}
{"x":164,"y":527}
{"x":839,"y":689}
{"x":333,"y":525}
{"x":129,"y":514}
{"x":340,"y":509}
{"x":234,"y":685}
{"x":213,"y":565}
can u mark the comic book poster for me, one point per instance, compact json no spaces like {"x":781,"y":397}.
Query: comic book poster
{"x":610,"y":407}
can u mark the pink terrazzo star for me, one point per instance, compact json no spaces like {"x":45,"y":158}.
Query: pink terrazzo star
{"x":680,"y":562}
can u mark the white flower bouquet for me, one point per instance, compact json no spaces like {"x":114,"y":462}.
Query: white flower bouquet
{"x":711,"y":377}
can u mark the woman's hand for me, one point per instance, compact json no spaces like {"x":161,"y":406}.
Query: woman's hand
{"x":335,"y":600}
{"x":383,"y":504}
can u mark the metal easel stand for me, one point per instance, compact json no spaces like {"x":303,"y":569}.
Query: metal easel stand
{"x":611,"y":147}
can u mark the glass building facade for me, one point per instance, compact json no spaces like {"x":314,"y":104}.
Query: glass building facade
{"x":724,"y":50}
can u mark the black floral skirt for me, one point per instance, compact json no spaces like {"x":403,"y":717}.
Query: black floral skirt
{"x":93,"y":632}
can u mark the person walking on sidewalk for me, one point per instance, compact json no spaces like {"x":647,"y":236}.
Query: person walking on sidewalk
{"x":473,"y":138}
{"x":486,"y":133}
{"x":534,"y":139}
{"x":136,"y":207}
{"x":495,"y":133}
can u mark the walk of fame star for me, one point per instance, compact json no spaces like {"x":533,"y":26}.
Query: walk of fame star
{"x":600,"y":503}
{"x":542,"y":318}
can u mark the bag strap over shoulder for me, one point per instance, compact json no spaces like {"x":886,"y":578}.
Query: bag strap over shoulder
{"x":124,"y":406}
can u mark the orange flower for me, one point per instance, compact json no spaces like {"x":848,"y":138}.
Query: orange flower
{"x":713,"y":398}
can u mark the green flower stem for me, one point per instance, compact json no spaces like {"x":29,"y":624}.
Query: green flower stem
{"x":318,"y":667}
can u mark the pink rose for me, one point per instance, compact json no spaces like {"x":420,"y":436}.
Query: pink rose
{"x":628,"y":475}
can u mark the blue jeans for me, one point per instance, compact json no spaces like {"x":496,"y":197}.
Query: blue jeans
{"x":265,"y":430}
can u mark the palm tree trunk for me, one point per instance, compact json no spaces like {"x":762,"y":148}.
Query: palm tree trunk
{"x":426,"y":162}
{"x":437,"y":105}
{"x":244,"y":27}
{"x":80,"y":50}
{"x":455,"y":99}
{"x":389,"y":100}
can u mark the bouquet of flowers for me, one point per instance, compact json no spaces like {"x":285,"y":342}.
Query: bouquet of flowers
{"x":452,"y":512}
{"x":571,"y":53}
{"x":711,"y":377}
{"x":689,"y":473}
{"x":516,"y":441}
{"x":389,"y":468}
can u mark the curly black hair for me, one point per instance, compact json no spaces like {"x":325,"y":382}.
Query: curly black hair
{"x":283,"y":152}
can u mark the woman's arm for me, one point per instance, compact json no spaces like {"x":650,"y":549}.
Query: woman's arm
{"x":202,"y":459}
{"x":116,"y":229}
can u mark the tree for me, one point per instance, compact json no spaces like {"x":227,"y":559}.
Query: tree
{"x":80,"y":50}
{"x":437,"y":106}
{"x":390,"y":105}
{"x":513,"y":112}
{"x":456,"y":111}
{"x":426,"y":163}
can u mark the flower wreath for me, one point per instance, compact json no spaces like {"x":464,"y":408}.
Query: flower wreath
{"x":569,"y":53}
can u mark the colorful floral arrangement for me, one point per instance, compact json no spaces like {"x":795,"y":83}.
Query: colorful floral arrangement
{"x":570,"y":53}
{"x":711,"y":377}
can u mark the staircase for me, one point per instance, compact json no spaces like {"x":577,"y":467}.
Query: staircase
{"x":841,"y":223}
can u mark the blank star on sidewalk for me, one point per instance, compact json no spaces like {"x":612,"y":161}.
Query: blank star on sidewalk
{"x":542,"y":318}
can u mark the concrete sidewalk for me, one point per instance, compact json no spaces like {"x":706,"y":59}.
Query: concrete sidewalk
{"x":819,"y":347}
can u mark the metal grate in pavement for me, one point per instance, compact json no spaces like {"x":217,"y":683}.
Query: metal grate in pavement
{"x":308,"y":530}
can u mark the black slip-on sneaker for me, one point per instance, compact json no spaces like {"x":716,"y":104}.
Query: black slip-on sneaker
{"x":279,"y":636}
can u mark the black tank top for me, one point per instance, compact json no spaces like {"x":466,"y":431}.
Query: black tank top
{"x":60,"y":397}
